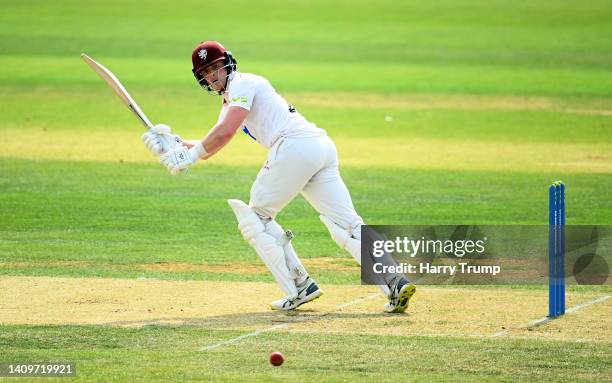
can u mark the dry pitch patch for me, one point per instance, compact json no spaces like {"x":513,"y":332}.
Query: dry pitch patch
{"x":125,"y":146}
{"x":57,"y":141}
{"x":350,"y":309}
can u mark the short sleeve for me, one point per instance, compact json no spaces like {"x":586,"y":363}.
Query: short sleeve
{"x":242,"y":93}
{"x":222,"y":113}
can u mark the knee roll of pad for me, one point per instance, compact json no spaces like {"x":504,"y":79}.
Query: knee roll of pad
{"x":251,"y":227}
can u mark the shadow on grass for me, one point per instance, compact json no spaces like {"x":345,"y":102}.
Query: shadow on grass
{"x":251,"y":320}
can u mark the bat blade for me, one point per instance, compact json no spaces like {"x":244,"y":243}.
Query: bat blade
{"x":118,"y":88}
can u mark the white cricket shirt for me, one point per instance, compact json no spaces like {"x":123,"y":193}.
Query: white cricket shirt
{"x":270,"y":116}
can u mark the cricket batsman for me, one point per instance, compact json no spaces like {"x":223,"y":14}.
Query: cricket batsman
{"x":301,"y":159}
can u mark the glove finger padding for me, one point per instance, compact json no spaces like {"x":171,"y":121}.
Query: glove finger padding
{"x":152,"y":142}
{"x":159,"y":143}
{"x":161,"y":129}
{"x":153,"y":138}
{"x":169,"y":142}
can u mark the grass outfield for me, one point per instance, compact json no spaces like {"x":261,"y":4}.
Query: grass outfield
{"x":160,"y":354}
{"x":451,"y":112}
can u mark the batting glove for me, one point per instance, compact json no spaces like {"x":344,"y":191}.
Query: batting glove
{"x":179,"y":158}
{"x":159,"y":140}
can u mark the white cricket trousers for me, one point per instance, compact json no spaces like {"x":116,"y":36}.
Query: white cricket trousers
{"x":308,"y":166}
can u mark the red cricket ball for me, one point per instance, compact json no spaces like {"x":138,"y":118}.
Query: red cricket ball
{"x":276,"y":358}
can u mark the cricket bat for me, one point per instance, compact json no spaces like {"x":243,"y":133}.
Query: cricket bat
{"x":118,"y":88}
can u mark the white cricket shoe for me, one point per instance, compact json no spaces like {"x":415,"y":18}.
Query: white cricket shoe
{"x":307,"y":291}
{"x":400,"y":296}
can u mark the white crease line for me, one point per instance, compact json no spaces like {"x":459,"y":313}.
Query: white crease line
{"x":241,"y":337}
{"x":358,"y":300}
{"x":284,"y":325}
{"x":578,"y":307}
{"x":546,"y":319}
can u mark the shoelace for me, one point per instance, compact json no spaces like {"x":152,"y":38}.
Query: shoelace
{"x":289,"y":302}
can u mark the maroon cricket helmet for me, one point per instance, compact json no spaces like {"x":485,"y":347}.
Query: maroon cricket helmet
{"x":208,"y":53}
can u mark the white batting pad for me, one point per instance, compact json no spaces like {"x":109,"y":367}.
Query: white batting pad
{"x":343,"y":238}
{"x":266,"y":246}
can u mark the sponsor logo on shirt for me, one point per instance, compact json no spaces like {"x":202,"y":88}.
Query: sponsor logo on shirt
{"x":239,"y":99}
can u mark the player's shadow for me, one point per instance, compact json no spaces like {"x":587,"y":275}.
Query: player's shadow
{"x":255,"y":320}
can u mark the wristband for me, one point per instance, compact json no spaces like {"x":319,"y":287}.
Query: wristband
{"x":197,"y":151}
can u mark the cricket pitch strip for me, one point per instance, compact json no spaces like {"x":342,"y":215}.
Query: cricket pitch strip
{"x":350,"y":309}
